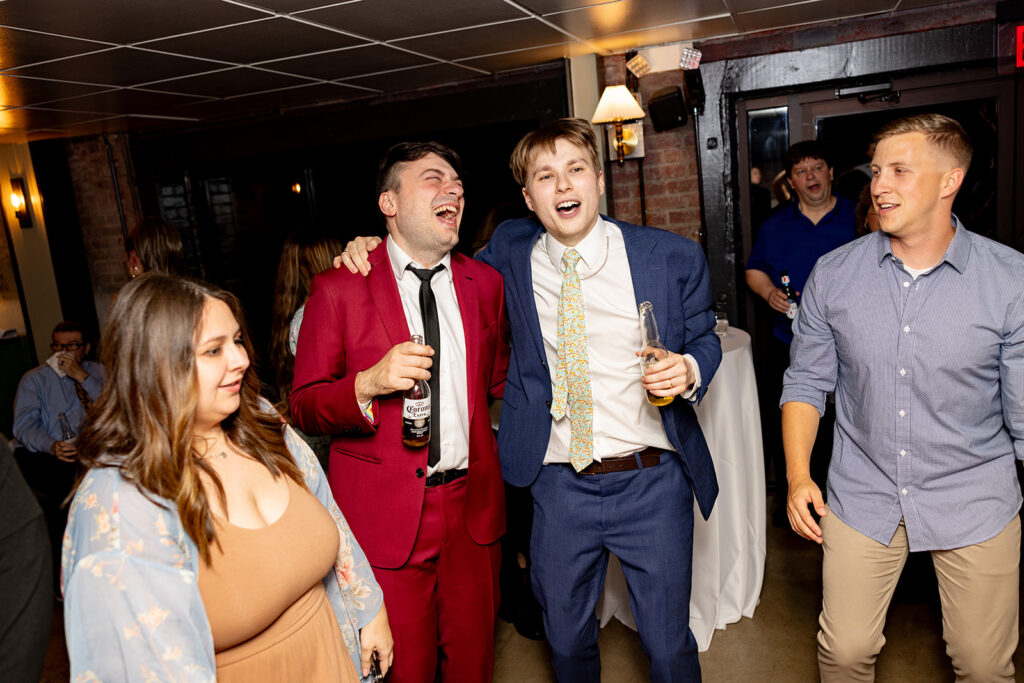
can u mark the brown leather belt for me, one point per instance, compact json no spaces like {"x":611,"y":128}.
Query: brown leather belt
{"x":648,"y":457}
{"x":442,"y":478}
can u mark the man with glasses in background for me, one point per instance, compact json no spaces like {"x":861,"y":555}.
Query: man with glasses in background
{"x":66,"y":384}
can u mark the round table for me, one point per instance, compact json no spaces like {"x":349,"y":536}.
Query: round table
{"x":728,"y":548}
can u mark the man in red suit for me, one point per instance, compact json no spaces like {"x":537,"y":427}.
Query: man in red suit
{"x":428,"y":518}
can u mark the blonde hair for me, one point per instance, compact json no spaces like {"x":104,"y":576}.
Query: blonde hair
{"x":940,"y":131}
{"x":575,"y":131}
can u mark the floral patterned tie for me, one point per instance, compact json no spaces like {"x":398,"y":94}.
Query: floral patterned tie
{"x":572,"y":373}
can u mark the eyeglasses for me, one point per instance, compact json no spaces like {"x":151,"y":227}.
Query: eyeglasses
{"x":73,"y":346}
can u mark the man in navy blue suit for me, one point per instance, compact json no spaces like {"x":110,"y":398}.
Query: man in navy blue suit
{"x":630,"y":489}
{"x":608,"y":470}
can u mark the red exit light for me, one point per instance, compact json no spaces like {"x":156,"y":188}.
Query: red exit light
{"x":1020,"y":47}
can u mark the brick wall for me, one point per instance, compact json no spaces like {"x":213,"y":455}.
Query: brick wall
{"x":89,"y":167}
{"x":670,"y":164}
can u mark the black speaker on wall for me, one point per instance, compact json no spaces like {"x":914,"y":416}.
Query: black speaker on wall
{"x":666,"y":108}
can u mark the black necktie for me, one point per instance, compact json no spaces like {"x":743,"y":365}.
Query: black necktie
{"x":432,"y":338}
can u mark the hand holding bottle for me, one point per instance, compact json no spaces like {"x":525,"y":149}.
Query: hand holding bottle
{"x":398,"y":370}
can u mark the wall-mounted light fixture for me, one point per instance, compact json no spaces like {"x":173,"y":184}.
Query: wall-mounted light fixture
{"x":616,"y":107}
{"x":20,"y":201}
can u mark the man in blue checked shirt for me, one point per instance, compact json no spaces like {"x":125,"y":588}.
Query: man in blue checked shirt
{"x":919,"y":330}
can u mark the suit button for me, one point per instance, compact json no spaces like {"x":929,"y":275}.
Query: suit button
{"x":547,"y":403}
{"x":419,"y":472}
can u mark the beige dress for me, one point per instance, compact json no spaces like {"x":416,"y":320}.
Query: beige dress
{"x":268,"y":610}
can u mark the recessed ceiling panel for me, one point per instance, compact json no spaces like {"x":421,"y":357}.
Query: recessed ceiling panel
{"x":122,"y":21}
{"x":391,"y":19}
{"x":25,"y":119}
{"x":228,"y":83}
{"x":809,"y":12}
{"x":549,"y":6}
{"x":485,"y":40}
{"x":418,"y":77}
{"x":125,"y":101}
{"x":294,"y":6}
{"x":19,"y":48}
{"x":345,"y":63}
{"x":690,"y":30}
{"x":521,"y":58}
{"x":119,"y":66}
{"x":631,"y":15}
{"x":256,"y":41}
{"x":16,"y":91}
{"x":262,"y":103}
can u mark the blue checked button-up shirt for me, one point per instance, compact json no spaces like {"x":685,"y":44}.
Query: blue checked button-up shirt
{"x":928,"y":377}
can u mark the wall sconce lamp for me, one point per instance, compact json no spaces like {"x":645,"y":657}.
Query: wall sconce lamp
{"x":20,"y":201}
{"x":618,"y":106}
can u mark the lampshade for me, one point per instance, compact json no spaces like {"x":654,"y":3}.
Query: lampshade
{"x":617,"y":104}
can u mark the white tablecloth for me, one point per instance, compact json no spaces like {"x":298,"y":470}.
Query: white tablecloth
{"x":729,"y":548}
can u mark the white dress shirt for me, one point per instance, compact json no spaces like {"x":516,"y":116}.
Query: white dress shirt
{"x":454,"y":418}
{"x":624,"y":421}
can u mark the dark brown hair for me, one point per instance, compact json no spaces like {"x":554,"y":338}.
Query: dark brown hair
{"x":304,"y":254}
{"x":143,"y":421}
{"x":387,"y":173}
{"x":157,"y":245}
{"x":806,"y":149}
{"x":939,"y":130}
{"x":576,"y":131}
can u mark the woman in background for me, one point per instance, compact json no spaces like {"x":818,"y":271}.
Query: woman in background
{"x":203,"y":542}
{"x":154,"y":246}
{"x":304,"y":254}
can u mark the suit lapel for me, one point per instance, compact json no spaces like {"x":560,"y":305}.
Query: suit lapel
{"x":386,"y":299}
{"x":469,"y":309}
{"x":521,"y":273}
{"x":648,"y":272}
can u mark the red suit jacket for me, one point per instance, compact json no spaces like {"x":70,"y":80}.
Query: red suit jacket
{"x":350,"y":322}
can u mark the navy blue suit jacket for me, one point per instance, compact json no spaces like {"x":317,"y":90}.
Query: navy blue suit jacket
{"x":669,"y":271}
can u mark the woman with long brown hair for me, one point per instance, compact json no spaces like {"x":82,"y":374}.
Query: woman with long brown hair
{"x":304,"y":254}
{"x":203,"y":542}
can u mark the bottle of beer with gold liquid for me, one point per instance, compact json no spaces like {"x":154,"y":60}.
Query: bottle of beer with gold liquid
{"x":416,"y":411}
{"x":650,"y":339}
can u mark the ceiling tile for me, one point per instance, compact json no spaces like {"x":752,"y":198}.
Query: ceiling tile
{"x":228,"y":83}
{"x":808,"y":13}
{"x":549,"y":6}
{"x":307,"y":95}
{"x":913,"y":4}
{"x":485,"y":40}
{"x":672,"y":33}
{"x":292,"y":6}
{"x":125,"y":101}
{"x":256,"y":41}
{"x":16,"y":91}
{"x":754,"y":5}
{"x":392,"y":19}
{"x":521,"y":58}
{"x":119,"y":66}
{"x":121,"y":21}
{"x":418,"y":77}
{"x":40,"y":118}
{"x":345,"y":63}
{"x":18,"y":48}
{"x":630,"y":15}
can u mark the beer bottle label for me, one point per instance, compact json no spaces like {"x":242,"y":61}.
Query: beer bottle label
{"x":791,"y":312}
{"x":416,"y":417}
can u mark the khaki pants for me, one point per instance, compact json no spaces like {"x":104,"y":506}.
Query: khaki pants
{"x":978,"y":586}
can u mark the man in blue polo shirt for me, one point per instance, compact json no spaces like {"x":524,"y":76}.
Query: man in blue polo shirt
{"x":791,"y":240}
